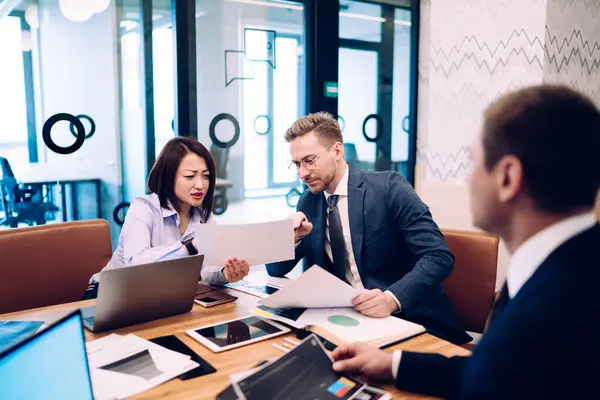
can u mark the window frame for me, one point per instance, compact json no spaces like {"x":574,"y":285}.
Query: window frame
{"x":271,"y":184}
{"x":32,"y":145}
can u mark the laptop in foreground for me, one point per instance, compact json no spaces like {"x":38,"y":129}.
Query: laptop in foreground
{"x":141,"y":293}
{"x":52,"y":364}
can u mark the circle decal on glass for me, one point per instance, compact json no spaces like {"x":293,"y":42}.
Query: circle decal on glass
{"x":213,"y":125}
{"x":122,"y":206}
{"x":379,"y":130}
{"x":406,"y":124}
{"x":47,"y":133}
{"x":88,"y":119}
{"x":262,"y":124}
{"x":342,"y":320}
{"x":293,"y":197}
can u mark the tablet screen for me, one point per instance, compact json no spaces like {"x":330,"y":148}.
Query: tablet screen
{"x":237,"y":331}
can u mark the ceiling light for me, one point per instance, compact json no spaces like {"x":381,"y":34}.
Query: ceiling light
{"x":76,"y":10}
{"x":32,"y":16}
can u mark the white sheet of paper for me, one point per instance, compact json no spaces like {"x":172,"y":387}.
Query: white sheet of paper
{"x":315,"y":288}
{"x":164,"y":366}
{"x":258,"y":277}
{"x":259,"y":243}
{"x":351,"y":326}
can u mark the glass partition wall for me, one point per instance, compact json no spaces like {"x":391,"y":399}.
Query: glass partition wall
{"x":89,"y":92}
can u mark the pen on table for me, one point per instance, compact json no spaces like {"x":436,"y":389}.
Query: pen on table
{"x":278,"y":347}
{"x":292,"y":341}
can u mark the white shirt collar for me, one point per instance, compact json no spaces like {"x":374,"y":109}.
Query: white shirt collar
{"x":168,"y":212}
{"x":532,"y":253}
{"x":342,"y":187}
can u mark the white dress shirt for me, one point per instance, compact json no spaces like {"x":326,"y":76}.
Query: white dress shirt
{"x":531,"y":254}
{"x":352,"y":274}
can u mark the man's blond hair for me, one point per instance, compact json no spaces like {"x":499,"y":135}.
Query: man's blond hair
{"x":324,"y":126}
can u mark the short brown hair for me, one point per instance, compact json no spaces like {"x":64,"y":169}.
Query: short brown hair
{"x":555,"y":132}
{"x":161,"y":180}
{"x":322,"y":124}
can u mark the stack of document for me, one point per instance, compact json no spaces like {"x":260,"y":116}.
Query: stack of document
{"x":304,"y":373}
{"x":322,"y":303}
{"x":123,"y":366}
{"x":344,"y":325}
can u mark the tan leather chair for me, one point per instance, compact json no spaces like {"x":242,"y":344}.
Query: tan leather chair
{"x":471,"y":286}
{"x":50,"y":264}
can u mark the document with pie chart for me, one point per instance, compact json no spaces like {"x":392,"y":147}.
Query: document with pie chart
{"x":344,"y":325}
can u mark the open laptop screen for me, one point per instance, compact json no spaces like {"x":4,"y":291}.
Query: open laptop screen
{"x":49,"y":365}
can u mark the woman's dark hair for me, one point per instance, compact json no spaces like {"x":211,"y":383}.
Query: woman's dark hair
{"x":162,"y":176}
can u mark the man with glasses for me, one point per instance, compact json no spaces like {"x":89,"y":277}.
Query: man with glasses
{"x":371,"y":230}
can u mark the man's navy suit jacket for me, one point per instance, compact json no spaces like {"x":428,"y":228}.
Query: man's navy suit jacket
{"x":397,"y":246}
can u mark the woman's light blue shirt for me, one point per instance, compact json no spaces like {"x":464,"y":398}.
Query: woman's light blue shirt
{"x":150,"y":233}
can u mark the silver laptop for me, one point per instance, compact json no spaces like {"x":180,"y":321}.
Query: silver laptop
{"x":140,"y":293}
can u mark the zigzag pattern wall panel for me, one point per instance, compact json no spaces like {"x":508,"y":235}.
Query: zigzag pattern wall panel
{"x":572,"y":45}
{"x":471,"y":51}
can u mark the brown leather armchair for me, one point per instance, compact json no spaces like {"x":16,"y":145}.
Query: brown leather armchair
{"x":50,"y":264}
{"x":471,"y":286}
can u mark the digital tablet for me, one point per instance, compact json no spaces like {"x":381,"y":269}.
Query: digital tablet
{"x":238,"y":332}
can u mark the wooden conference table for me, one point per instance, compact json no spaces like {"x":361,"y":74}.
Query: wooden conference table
{"x":227,"y":363}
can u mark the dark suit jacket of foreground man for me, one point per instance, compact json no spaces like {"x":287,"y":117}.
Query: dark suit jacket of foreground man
{"x":543,"y":344}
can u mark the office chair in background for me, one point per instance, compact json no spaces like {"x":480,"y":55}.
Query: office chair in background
{"x":221,"y":157}
{"x":21,"y":203}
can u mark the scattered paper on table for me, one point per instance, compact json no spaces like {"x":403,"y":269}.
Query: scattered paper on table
{"x":122,"y":366}
{"x":314,"y":288}
{"x":288,"y":316}
{"x":262,"y":276}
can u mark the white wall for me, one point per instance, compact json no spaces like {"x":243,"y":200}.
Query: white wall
{"x":471,"y":52}
{"x":77,"y":74}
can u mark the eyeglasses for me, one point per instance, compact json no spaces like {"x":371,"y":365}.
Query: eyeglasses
{"x":310,"y":162}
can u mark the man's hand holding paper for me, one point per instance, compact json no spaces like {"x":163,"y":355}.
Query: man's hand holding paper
{"x":302,"y":226}
{"x":375,"y":303}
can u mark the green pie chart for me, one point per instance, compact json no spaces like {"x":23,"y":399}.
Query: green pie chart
{"x":342,"y":320}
